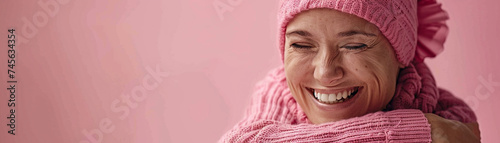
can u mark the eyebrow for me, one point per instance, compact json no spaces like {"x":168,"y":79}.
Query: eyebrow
{"x":341,"y":34}
{"x":299,"y":32}
{"x":354,"y":32}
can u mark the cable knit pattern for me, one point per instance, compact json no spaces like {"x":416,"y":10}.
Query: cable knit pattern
{"x":416,"y":89}
{"x":453,"y":108}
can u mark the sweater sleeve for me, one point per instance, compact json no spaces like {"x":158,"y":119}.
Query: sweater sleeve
{"x":408,"y":125}
{"x":451,"y":107}
{"x":273,"y":117}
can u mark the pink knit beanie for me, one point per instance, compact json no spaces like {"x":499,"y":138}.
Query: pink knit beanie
{"x":416,"y":29}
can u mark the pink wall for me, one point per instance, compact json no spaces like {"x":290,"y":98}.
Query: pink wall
{"x":91,"y":67}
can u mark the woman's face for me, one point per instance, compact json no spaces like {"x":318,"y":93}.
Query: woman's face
{"x":338,"y":66}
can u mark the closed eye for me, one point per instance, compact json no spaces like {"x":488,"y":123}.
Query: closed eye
{"x":295,"y":45}
{"x":355,"y":46}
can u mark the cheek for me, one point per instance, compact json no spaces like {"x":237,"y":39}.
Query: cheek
{"x":297,"y":67}
{"x":376,"y":71}
{"x":362,"y":67}
{"x":296,"y":72}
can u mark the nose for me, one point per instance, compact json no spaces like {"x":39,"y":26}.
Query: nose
{"x":327,"y":67}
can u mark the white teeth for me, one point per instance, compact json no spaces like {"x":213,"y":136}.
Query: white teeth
{"x":324,"y":97}
{"x":332,"y":98}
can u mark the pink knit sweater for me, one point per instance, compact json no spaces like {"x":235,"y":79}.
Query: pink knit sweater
{"x":274,"y":116}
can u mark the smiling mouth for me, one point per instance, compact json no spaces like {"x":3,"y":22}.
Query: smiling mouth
{"x":334,"y":98}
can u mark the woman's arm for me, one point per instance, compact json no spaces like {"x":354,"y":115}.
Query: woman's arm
{"x":444,"y":130}
{"x":452,"y":108}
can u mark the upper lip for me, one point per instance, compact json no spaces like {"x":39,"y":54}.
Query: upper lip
{"x":332,"y":91}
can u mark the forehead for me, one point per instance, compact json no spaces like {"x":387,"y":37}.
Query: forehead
{"x":329,"y":20}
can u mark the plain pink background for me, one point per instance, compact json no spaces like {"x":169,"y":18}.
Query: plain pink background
{"x":91,"y":53}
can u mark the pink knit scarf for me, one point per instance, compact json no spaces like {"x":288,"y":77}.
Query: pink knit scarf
{"x":415,"y":89}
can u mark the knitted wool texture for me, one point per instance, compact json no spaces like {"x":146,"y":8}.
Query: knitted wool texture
{"x":400,"y":21}
{"x":275,"y":116}
{"x":414,"y":33}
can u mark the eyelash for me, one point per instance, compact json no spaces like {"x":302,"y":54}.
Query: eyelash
{"x":300,"y":46}
{"x":358,"y":47}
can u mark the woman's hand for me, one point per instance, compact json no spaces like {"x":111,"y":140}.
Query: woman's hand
{"x":451,"y":131}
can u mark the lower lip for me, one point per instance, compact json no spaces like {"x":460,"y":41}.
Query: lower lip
{"x":336,"y":106}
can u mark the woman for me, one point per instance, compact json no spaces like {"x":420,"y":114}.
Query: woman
{"x":353,"y":72}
